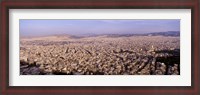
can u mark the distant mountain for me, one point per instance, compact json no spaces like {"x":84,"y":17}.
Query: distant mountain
{"x":66,"y":36}
{"x":169,"y":33}
{"x":122,"y":35}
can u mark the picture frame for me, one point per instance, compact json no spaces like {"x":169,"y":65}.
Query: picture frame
{"x":103,"y":4}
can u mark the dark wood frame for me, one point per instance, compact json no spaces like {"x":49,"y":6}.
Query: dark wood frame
{"x":99,"y":4}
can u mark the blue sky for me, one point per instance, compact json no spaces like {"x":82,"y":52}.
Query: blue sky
{"x":82,"y":27}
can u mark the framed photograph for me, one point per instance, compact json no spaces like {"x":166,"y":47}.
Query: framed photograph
{"x":100,"y":47}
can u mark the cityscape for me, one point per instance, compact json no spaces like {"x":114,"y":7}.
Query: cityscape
{"x":100,"y":47}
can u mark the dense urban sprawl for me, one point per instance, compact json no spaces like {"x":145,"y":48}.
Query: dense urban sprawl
{"x":100,"y":55}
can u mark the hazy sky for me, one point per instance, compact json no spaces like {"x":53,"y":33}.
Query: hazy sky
{"x":79,"y":27}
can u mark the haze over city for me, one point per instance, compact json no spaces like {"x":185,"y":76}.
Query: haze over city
{"x":85,"y":27}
